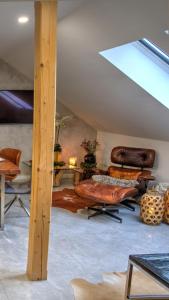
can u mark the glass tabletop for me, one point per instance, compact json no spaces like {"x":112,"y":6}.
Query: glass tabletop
{"x":156,"y":265}
{"x":56,"y":168}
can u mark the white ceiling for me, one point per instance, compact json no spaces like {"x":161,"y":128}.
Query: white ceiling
{"x":17,"y":41}
{"x":87,"y":84}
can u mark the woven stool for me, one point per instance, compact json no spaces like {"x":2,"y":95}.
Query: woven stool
{"x":152,"y":208}
{"x":166,"y":201}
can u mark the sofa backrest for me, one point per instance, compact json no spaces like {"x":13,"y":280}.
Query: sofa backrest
{"x":133,"y":157}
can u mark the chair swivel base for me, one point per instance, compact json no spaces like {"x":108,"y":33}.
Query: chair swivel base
{"x":106,"y":210}
{"x":126,"y":204}
{"x":17,"y":198}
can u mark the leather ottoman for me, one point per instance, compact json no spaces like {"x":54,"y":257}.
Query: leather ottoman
{"x":105,"y":194}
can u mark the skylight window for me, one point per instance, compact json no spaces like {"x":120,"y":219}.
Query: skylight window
{"x":144,"y":63}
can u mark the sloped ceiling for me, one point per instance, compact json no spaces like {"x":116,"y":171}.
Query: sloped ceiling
{"x":87,"y":84}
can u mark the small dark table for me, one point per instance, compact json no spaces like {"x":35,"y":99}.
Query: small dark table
{"x":154,"y":265}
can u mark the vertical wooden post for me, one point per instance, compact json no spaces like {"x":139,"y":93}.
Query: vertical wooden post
{"x":43,"y":137}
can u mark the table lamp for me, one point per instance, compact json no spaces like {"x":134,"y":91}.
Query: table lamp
{"x":72,"y":162}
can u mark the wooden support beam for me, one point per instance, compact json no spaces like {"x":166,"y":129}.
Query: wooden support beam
{"x":43,"y":137}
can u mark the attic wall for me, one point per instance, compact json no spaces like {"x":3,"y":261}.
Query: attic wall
{"x":109,"y":140}
{"x":92,"y":87}
{"x":15,"y":136}
{"x":73,"y":134}
{"x":20,"y":136}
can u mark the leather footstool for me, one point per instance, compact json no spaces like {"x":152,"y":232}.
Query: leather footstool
{"x":105,"y":194}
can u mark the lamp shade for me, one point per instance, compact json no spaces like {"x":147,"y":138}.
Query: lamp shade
{"x":73,"y":161}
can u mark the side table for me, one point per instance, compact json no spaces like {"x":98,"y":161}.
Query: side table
{"x":154,"y":265}
{"x":59,"y":172}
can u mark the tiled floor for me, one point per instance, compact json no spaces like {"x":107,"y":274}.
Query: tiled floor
{"x":78,"y":248}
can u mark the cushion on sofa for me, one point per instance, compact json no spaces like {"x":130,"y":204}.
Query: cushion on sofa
{"x":114,"y":181}
{"x":160,"y":187}
{"x":124,"y":173}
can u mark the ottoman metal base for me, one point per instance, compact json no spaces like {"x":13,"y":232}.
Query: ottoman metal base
{"x":106,"y":210}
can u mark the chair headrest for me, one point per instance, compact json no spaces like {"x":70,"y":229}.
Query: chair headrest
{"x":134,"y":157}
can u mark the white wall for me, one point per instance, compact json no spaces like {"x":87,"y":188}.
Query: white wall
{"x":20,"y":136}
{"x":15,"y":136}
{"x":72,"y":135}
{"x":92,"y":87}
{"x":109,"y":140}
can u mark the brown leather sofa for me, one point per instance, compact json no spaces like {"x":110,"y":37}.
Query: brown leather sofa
{"x":105,"y":195}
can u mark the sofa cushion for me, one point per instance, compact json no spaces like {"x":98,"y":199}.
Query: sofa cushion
{"x":114,"y":181}
{"x":160,"y":187}
{"x":124,"y":173}
{"x":131,"y":156}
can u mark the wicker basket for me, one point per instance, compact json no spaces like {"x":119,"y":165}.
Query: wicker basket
{"x":166,"y":201}
{"x":152,"y":208}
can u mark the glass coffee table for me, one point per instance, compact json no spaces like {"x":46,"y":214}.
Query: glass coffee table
{"x":58,"y":173}
{"x":154,"y":265}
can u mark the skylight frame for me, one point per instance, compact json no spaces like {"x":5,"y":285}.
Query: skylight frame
{"x":155,"y":49}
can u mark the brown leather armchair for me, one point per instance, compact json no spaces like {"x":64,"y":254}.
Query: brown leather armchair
{"x":138,"y":159}
{"x":12,"y":155}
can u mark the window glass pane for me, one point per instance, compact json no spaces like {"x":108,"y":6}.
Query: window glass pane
{"x":143,"y":66}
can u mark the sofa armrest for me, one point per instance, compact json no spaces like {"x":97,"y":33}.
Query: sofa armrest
{"x":143,"y":182}
{"x":145,"y":177}
{"x":100,"y":171}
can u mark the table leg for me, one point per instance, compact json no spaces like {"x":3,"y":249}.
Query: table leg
{"x":139,"y":297}
{"x":2,"y":202}
{"x":76,"y":177}
{"x":128,"y":281}
{"x":58,"y":178}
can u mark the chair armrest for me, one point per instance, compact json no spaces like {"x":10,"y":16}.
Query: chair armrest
{"x":146,"y":177}
{"x":100,"y":171}
{"x":143,"y":182}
